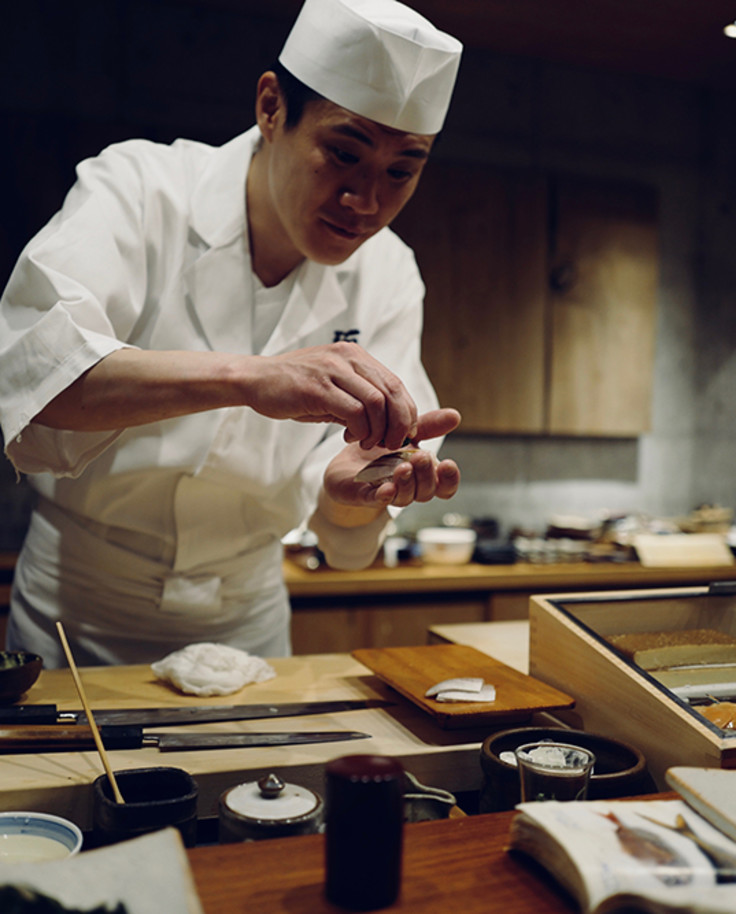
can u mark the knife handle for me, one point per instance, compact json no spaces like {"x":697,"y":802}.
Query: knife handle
{"x":29,"y":714}
{"x":60,"y":738}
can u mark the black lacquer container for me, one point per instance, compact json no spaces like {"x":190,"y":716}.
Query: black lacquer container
{"x":364,"y":831}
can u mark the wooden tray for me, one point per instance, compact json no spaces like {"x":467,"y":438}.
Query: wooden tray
{"x":412,"y":670}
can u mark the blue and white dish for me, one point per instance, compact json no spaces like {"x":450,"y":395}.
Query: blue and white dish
{"x":36,"y":836}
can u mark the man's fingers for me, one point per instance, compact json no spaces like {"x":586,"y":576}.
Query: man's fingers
{"x":435,"y":423}
{"x":391,"y":410}
{"x":448,"y":479}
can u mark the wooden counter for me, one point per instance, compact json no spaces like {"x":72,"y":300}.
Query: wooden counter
{"x":339,"y":611}
{"x":449,"y":865}
{"x":61,"y":782}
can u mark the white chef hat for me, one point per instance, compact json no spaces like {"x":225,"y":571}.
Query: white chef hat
{"x":377,"y":58}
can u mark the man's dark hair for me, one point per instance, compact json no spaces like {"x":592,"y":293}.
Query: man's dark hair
{"x":296,"y":94}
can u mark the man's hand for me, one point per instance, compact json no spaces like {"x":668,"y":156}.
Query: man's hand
{"x":419,"y":478}
{"x":340,"y":383}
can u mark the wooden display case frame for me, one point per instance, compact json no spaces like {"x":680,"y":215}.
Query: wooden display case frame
{"x":568,"y":649}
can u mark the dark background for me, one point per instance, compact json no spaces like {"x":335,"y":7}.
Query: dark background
{"x":79,"y":75}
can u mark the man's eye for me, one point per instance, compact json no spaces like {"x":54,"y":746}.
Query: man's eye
{"x":399,"y":174}
{"x":346,"y":158}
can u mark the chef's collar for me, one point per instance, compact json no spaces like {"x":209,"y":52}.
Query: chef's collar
{"x":377,"y":58}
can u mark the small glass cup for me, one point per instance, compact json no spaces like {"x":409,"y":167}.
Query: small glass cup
{"x":553,"y":771}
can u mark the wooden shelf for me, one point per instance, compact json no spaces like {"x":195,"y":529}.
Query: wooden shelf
{"x":422,"y":579}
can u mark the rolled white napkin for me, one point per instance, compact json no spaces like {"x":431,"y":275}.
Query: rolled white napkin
{"x":211,"y":669}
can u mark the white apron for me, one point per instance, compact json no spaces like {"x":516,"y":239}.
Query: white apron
{"x":119,"y":607}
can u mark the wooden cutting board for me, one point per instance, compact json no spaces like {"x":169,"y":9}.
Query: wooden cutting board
{"x":412,"y":670}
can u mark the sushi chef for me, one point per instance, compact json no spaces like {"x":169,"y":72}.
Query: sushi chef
{"x":204,"y":346}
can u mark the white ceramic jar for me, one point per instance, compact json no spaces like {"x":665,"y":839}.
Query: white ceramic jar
{"x":268,"y":808}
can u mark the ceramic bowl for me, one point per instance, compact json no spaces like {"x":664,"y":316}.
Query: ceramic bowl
{"x":447,"y":545}
{"x":18,"y":671}
{"x":27,"y":837}
{"x":620,"y":769}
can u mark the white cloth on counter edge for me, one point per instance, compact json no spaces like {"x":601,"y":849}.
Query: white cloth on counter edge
{"x":212,"y":669}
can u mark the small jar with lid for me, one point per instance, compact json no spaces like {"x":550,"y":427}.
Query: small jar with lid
{"x":268,"y":808}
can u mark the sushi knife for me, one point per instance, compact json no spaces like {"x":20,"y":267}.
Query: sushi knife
{"x":78,"y":738}
{"x":162,"y":717}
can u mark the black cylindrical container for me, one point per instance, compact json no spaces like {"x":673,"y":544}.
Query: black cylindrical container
{"x":154,"y":798}
{"x":364,"y":830}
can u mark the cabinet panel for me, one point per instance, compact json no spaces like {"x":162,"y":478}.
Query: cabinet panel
{"x":540,"y":311}
{"x":340,"y":626}
{"x":405,"y":625}
{"x":329,"y":631}
{"x":510,"y":605}
{"x":479,"y":235}
{"x":603,"y":290}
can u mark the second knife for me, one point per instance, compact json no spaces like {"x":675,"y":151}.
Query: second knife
{"x":78,"y":738}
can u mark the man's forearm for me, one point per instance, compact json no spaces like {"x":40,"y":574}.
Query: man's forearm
{"x":133,"y":387}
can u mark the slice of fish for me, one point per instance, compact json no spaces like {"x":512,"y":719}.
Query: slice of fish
{"x":462,"y":683}
{"x":382,"y":468}
{"x":487,"y":693}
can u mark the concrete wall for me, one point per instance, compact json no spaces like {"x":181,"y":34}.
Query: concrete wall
{"x":78,"y":76}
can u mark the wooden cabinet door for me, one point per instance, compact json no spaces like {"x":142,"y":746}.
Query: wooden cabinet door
{"x":540,"y":311}
{"x":480,"y":238}
{"x":603,"y":289}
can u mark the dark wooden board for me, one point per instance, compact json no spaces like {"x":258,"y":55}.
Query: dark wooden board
{"x":412,"y":670}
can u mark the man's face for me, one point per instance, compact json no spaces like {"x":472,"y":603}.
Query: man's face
{"x":336,"y":179}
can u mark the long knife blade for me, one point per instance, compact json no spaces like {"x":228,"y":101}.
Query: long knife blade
{"x":163,"y":717}
{"x":167,"y":742}
{"x":79,"y":738}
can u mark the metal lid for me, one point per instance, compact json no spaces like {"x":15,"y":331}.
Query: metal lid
{"x":270,"y":800}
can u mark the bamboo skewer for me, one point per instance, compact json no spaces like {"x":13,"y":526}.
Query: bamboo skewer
{"x":90,"y":719}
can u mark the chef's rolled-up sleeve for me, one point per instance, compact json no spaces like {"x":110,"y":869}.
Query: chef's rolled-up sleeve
{"x":72,"y":297}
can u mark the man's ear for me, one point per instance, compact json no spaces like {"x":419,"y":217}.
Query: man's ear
{"x":270,"y":105}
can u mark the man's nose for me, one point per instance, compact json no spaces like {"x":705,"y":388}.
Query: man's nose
{"x":361,"y":195}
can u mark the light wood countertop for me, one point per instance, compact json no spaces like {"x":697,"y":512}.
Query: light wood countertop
{"x":61,"y":782}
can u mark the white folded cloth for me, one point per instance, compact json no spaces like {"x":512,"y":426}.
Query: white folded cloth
{"x":212,"y":669}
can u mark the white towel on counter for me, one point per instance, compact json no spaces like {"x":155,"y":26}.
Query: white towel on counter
{"x":212,"y":669}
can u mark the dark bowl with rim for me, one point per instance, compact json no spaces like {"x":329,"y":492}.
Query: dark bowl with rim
{"x":620,"y":769}
{"x":18,"y":671}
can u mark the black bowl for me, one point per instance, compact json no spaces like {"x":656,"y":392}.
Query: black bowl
{"x":18,"y":671}
{"x":620,"y":769}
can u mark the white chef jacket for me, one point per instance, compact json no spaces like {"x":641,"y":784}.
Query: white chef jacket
{"x":148,"y":538}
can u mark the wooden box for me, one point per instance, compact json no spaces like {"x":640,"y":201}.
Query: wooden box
{"x":569,"y":649}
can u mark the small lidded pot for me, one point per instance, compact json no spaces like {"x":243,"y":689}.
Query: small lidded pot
{"x":268,"y":808}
